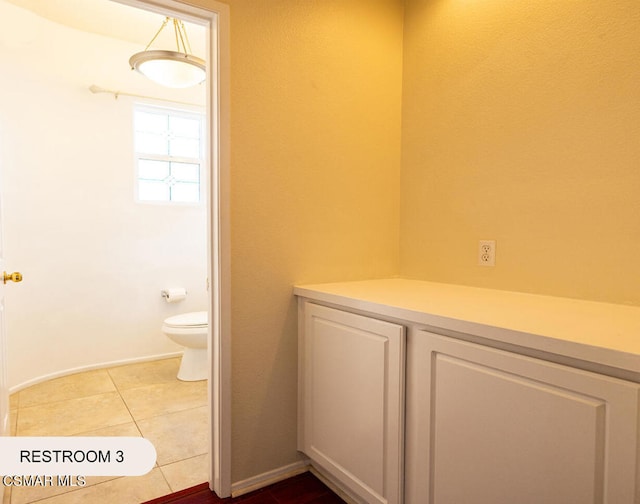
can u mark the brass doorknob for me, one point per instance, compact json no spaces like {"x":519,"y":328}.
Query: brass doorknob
{"x":14,"y":277}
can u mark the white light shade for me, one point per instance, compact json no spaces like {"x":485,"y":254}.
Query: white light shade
{"x":169,"y":68}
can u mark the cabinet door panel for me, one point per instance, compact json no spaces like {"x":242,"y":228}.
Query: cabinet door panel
{"x":353,"y":400}
{"x":504,"y":437}
{"x":504,"y":428}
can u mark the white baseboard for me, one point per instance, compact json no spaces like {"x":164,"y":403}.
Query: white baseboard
{"x":268,"y":478}
{"x":334,"y":485}
{"x":91,"y":367}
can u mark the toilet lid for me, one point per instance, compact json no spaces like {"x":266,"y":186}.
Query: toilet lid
{"x":193,"y":319}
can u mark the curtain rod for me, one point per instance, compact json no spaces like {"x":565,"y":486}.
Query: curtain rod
{"x":97,"y":89}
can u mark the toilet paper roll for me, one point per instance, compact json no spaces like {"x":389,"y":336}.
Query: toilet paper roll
{"x":174,"y":295}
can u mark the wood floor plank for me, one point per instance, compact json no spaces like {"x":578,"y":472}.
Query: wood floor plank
{"x":302,"y":489}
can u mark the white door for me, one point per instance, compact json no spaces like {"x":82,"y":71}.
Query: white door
{"x":4,"y":376}
{"x":4,"y":386}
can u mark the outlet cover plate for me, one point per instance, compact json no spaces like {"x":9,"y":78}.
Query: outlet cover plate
{"x":487,"y":253}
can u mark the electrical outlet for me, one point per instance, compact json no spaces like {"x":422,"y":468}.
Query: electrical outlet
{"x":487,"y":253}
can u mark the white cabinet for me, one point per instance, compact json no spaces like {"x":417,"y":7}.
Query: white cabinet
{"x":351,"y":418}
{"x":528,"y":400}
{"x":486,"y":426}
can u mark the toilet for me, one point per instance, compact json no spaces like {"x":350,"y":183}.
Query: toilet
{"x":190,"y":331}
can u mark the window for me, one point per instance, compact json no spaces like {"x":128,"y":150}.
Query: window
{"x":168,"y":151}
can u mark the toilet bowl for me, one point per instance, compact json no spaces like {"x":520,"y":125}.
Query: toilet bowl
{"x":190,"y":331}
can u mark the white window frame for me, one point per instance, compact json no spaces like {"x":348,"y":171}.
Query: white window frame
{"x":190,"y":113}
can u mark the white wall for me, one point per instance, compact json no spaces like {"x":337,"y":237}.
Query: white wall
{"x":94,"y":261}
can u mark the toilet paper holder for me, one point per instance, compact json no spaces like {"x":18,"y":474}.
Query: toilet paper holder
{"x":174,"y":294}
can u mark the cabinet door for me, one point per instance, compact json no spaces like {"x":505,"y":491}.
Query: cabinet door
{"x":352,"y":379}
{"x":492,"y":427}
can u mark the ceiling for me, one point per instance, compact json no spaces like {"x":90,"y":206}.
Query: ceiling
{"x":113,"y":19}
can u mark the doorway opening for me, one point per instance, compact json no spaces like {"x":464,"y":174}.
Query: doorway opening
{"x":215,"y":20}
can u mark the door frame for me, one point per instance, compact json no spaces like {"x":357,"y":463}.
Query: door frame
{"x":216,"y":18}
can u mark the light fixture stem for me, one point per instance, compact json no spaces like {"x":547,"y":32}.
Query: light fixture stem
{"x":175,"y":31}
{"x":164,"y":23}
{"x":182,"y":33}
{"x":186,"y":37}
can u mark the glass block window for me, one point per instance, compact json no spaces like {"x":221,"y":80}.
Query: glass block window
{"x":169,"y":154}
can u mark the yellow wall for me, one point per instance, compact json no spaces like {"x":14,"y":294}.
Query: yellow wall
{"x":521,"y":123}
{"x":315,"y":176}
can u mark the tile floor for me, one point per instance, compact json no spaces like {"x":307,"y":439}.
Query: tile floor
{"x":143,"y":399}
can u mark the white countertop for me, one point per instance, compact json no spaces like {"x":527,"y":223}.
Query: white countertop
{"x":602,"y":333}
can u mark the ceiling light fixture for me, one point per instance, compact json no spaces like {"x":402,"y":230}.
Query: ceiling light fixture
{"x":176,"y":69}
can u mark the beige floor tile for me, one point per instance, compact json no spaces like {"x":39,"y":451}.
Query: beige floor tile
{"x":14,"y":401}
{"x":66,"y":418}
{"x":145,"y":373}
{"x":178,"y":436}
{"x":123,"y":430}
{"x":127,"y":490}
{"x":13,"y":422}
{"x":7,"y":495}
{"x":187,"y":473}
{"x":67,"y":387}
{"x":173,"y":414}
{"x":27,"y":495}
{"x":129,"y":429}
{"x":160,"y":399}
